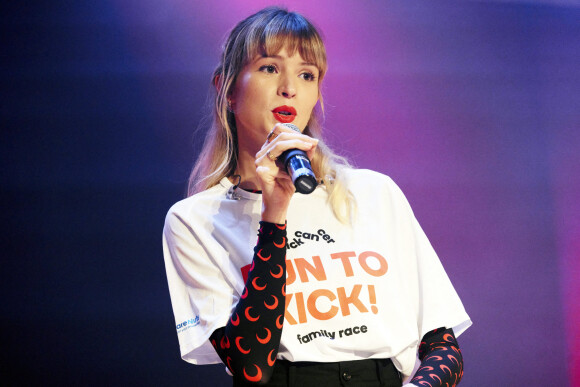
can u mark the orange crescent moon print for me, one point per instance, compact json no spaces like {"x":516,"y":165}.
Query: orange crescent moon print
{"x":274,"y":304}
{"x":236,"y":321}
{"x":273,"y":360}
{"x":281,"y":244}
{"x":240,"y":347}
{"x":256,"y":286}
{"x":434,"y":376}
{"x":279,"y":324}
{"x":250,"y":318}
{"x":453,"y":359}
{"x":279,"y":274}
{"x":256,"y":378}
{"x":263,"y":258}
{"x":245,"y":293}
{"x":265,"y":339}
{"x":445,"y":368}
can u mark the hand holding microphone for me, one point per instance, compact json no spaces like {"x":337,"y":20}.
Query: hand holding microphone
{"x":283,"y":168}
{"x":298,"y":167}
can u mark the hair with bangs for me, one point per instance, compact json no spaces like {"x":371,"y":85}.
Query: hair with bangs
{"x":266,"y":32}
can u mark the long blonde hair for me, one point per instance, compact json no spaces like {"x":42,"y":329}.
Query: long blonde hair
{"x":266,"y":33}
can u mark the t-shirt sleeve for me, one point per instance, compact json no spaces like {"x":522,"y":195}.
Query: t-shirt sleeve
{"x":437,"y":304}
{"x":201,"y":294}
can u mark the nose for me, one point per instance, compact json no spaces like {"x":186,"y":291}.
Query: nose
{"x":287,"y":87}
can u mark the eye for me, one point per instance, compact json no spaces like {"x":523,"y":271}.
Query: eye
{"x":308,"y":76}
{"x":270,"y":69}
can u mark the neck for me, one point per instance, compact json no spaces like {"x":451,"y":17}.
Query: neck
{"x":246,"y":168}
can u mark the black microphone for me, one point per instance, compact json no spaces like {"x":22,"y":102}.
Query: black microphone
{"x":298,"y":167}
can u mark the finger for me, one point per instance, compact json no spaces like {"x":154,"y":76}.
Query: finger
{"x":272,"y":135}
{"x":270,"y":177}
{"x":311,"y":153}
{"x":280,"y":128}
{"x":276,"y":130}
{"x":267,"y":158}
{"x":271,"y":156}
{"x":279,"y":135}
{"x":279,"y":146}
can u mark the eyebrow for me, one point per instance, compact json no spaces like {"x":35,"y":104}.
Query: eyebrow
{"x":279,"y":57}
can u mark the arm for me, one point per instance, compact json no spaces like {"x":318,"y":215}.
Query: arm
{"x":248,"y":344}
{"x":441,"y":360}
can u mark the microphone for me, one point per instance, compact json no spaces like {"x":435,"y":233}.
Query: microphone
{"x":298,"y":167}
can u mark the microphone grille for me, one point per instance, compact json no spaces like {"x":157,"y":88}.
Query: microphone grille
{"x":293,"y":127}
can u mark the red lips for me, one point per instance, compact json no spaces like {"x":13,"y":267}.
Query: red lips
{"x":284,"y":114}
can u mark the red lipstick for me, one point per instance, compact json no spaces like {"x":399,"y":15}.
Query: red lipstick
{"x":284,"y":114}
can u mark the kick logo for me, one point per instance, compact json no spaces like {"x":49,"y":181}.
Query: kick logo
{"x":322,"y":300}
{"x":299,"y":235}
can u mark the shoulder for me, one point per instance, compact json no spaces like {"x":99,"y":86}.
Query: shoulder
{"x":197,"y":205}
{"x":369,"y":180}
{"x":370,"y":187}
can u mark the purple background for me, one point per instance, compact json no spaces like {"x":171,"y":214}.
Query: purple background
{"x":472,"y":107}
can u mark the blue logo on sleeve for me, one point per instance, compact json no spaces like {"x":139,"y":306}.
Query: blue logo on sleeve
{"x":183,"y":326}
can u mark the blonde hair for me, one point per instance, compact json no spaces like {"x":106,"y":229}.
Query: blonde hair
{"x":266,"y":33}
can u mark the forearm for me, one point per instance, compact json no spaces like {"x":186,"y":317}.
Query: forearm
{"x":249,"y":343}
{"x":441,"y":360}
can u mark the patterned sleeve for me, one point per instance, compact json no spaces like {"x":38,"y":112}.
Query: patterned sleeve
{"x":249,"y":343}
{"x":441,"y":360}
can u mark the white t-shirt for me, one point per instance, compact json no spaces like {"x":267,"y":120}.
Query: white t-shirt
{"x":370,"y":289}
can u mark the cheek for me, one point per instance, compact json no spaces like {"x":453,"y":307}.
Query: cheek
{"x":314,"y":96}
{"x":252,"y":94}
{"x":311,"y":104}
{"x":244,"y":87}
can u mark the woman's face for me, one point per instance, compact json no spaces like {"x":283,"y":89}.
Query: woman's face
{"x":273,"y":89}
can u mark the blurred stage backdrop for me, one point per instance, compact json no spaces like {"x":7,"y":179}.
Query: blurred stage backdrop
{"x":472,"y":107}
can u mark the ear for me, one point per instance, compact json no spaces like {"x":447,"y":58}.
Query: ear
{"x":216,"y":82}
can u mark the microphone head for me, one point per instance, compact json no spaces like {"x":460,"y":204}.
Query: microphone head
{"x":293,"y":127}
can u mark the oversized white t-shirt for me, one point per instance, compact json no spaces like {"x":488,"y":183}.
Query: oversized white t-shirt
{"x":369,"y":289}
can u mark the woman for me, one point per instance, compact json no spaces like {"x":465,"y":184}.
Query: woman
{"x":342,"y":285}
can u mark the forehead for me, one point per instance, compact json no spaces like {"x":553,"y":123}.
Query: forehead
{"x":283,"y":53}
{"x":308,"y":49}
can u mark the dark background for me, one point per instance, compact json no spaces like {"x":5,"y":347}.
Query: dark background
{"x":472,"y":107}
